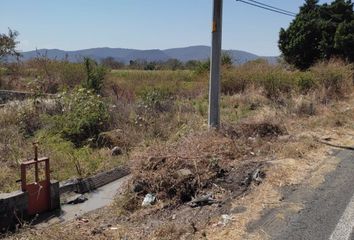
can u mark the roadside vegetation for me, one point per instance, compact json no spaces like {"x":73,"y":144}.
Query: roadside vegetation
{"x":275,"y":119}
{"x":158,"y":120}
{"x":138,"y":109}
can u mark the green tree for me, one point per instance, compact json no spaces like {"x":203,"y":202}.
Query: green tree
{"x":318,"y":32}
{"x":299,"y":43}
{"x":174,"y":64}
{"x":112,"y":63}
{"x":226,"y":59}
{"x":95,"y":75}
{"x":8,"y":44}
{"x":344,"y":40}
{"x":333,"y":17}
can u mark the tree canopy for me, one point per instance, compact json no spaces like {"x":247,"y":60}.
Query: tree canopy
{"x":319,"y":32}
{"x":8,"y":44}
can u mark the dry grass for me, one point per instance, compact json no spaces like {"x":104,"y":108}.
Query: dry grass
{"x":271,"y":117}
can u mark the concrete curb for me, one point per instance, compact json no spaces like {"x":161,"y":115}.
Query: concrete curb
{"x":10,"y":95}
{"x":94,"y":182}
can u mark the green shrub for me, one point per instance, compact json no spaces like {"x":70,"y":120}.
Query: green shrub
{"x":306,"y":82}
{"x":154,"y":99}
{"x":67,"y":160}
{"x":226,"y":59}
{"x":202,"y":67}
{"x":201,"y":106}
{"x":276,"y":83}
{"x":84,"y":116}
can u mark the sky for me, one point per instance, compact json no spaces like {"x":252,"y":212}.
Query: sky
{"x":142,"y":24}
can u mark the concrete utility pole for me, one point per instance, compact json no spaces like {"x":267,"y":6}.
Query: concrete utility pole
{"x":215,"y":64}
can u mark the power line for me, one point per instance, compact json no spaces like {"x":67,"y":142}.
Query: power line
{"x":273,"y":9}
{"x":266,"y":5}
{"x":269,"y":8}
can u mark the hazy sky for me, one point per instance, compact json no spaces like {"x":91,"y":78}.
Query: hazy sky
{"x":142,"y":24}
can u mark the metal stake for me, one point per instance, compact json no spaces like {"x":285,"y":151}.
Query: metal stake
{"x":35,"y":146}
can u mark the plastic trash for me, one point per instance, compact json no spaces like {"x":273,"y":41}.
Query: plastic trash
{"x":149,"y":199}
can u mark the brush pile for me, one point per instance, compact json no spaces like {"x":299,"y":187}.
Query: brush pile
{"x":204,"y":164}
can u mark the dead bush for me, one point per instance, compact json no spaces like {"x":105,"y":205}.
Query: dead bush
{"x":233,"y":83}
{"x":51,"y":76}
{"x":29,"y":120}
{"x":305,"y":107}
{"x":335,"y":79}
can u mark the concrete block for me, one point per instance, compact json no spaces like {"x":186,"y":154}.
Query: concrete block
{"x":13,"y":206}
{"x":68,"y":186}
{"x":54,"y":195}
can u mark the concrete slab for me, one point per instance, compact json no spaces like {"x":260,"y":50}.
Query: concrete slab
{"x":97,"y":199}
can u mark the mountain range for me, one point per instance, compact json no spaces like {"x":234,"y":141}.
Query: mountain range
{"x":125,"y":55}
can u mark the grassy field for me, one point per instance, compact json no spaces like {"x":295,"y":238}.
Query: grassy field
{"x":145,"y":107}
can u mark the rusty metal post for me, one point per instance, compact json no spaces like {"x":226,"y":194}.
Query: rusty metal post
{"x":35,"y":146}
{"x":23,"y":177}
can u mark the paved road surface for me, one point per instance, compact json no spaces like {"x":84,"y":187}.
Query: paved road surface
{"x":328,"y":212}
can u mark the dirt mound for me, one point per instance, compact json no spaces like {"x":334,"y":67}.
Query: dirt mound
{"x":206,"y":164}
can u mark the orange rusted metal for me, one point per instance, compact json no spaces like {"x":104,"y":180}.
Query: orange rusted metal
{"x":39,"y":190}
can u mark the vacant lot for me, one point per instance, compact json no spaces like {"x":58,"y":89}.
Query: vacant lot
{"x":273,"y":122}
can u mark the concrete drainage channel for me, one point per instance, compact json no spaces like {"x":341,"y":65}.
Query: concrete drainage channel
{"x":92,"y":193}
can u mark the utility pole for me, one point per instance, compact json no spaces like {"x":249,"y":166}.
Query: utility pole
{"x":215,"y":65}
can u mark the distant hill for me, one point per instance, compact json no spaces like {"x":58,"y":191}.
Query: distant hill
{"x":125,"y":55}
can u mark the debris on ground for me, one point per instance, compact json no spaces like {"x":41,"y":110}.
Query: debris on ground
{"x":202,"y":169}
{"x":97,"y":230}
{"x":149,"y":200}
{"x":184,"y":173}
{"x":82,"y":220}
{"x":76,"y":199}
{"x":328,"y":139}
{"x":256,"y":176}
{"x":202,"y":201}
{"x":225,"y":219}
{"x":116,"y":151}
{"x":284,"y":138}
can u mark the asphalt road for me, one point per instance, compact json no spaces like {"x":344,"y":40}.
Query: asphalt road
{"x":328,"y":211}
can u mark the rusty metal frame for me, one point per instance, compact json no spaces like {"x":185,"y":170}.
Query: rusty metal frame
{"x":24,"y":166}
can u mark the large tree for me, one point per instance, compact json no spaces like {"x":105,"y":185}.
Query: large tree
{"x":319,"y":32}
{"x":8,"y":44}
{"x":344,"y":40}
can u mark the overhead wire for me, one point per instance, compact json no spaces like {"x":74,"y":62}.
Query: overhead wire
{"x":268,"y":7}
{"x":276,"y":8}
